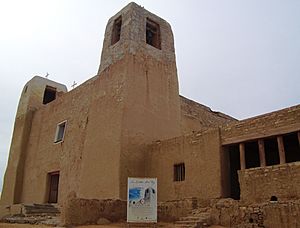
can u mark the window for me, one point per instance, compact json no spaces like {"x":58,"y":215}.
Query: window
{"x":60,"y":132}
{"x":179,"y":172}
{"x":153,"y":34}
{"x":116,"y":32}
{"x":49,"y":94}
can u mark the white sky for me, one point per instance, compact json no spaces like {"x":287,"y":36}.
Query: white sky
{"x":240,"y":57}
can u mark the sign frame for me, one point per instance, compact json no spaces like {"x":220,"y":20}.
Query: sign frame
{"x":141,"y":200}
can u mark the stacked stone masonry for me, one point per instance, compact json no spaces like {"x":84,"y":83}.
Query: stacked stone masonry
{"x":260,"y":184}
{"x":275,"y":123}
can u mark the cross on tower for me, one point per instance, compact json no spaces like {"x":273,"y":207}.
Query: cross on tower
{"x":74,"y":84}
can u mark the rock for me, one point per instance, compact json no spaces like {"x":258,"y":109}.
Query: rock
{"x":103,"y":221}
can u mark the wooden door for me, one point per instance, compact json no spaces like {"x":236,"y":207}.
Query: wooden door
{"x":53,"y":191}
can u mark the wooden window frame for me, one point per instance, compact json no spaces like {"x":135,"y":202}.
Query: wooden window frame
{"x":179,"y":172}
{"x":58,"y":139}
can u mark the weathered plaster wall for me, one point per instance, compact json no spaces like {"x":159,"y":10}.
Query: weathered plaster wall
{"x":196,"y":117}
{"x":101,"y":150}
{"x":31,"y":99}
{"x":110,"y":118}
{"x":13,"y":179}
{"x":259,"y":184}
{"x":200,"y":153}
{"x":93,"y":114}
{"x":151,"y":111}
{"x":274,"y":123}
{"x":151,"y":97}
{"x":133,"y":37}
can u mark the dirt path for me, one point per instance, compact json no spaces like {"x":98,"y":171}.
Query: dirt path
{"x":117,"y":225}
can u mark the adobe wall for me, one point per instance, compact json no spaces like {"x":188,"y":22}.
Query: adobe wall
{"x":151,"y":97}
{"x":30,"y":101}
{"x":93,"y":112}
{"x":200,"y":153}
{"x":259,"y":184}
{"x":274,"y":123}
{"x":133,"y":38}
{"x":132,"y":101}
{"x":198,"y":117}
{"x":152,"y":111}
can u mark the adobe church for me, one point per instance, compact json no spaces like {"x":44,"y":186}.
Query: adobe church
{"x":130,"y":121}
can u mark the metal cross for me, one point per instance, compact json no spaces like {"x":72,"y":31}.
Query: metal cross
{"x":74,"y":84}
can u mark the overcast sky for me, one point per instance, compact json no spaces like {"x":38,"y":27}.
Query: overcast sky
{"x":236,"y":56}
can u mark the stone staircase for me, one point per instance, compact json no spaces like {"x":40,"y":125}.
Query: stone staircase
{"x":198,"y":218}
{"x":46,"y":209}
{"x":47,"y":214}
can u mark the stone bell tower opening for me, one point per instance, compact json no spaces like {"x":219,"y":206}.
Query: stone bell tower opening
{"x":49,"y":94}
{"x":153,"y":34}
{"x":116,"y":32}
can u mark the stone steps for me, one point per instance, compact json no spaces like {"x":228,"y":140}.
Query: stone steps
{"x":199,"y":218}
{"x":37,"y":209}
{"x":47,"y":214}
{"x":25,"y":219}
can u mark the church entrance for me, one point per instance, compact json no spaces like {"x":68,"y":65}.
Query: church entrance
{"x":53,"y":187}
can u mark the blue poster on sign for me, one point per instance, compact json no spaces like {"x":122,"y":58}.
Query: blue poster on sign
{"x":142,"y":200}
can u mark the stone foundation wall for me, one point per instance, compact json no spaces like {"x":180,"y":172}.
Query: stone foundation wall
{"x":225,"y":212}
{"x":77,"y":211}
{"x":88,"y":211}
{"x":231,"y":213}
{"x":260,"y":184}
{"x":171,"y":211}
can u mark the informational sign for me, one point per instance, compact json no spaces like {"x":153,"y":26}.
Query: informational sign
{"x":142,"y":200}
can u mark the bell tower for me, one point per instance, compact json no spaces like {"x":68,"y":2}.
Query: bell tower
{"x":36,"y":93}
{"x":135,"y":30}
{"x":141,"y":45}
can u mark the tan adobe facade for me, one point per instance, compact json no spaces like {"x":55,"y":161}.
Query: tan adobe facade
{"x":130,"y":121}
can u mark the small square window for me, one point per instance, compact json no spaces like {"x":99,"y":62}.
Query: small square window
{"x":116,"y":32}
{"x":179,"y":172}
{"x":60,"y":132}
{"x":153,"y":34}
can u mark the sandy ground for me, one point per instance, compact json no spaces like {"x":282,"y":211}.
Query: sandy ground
{"x":117,"y":225}
{"x":6,"y":225}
